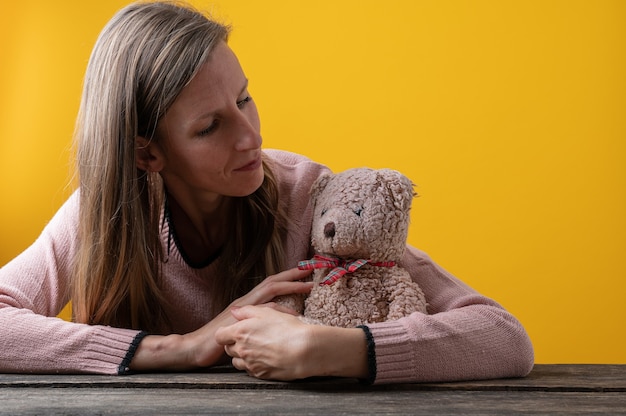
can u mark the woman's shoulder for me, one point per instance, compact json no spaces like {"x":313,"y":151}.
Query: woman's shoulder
{"x":294,"y":168}
{"x":294,"y":176}
{"x":288,"y":159}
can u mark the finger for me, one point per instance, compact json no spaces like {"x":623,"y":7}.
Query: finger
{"x":258,"y":311}
{"x":231,"y":351}
{"x":268,"y":290}
{"x":244,"y":312}
{"x":238,"y":363}
{"x":225,"y":336}
{"x":290,"y":275}
{"x":293,"y":287}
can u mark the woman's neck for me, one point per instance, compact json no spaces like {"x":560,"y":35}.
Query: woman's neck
{"x":200,"y":231}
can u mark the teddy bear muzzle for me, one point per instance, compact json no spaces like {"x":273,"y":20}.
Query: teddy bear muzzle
{"x":329,"y":230}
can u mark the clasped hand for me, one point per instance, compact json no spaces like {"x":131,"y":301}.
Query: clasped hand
{"x":263,"y":338}
{"x":268,"y":340}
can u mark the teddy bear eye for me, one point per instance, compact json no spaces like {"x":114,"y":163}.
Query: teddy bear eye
{"x":357,"y":211}
{"x":323,"y":212}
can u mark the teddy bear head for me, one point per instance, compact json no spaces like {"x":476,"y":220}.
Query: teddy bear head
{"x":361,"y":213}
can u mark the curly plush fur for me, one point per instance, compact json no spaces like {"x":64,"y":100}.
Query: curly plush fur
{"x":362,"y":214}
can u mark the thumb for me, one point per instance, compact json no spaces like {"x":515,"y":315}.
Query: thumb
{"x":242,"y":312}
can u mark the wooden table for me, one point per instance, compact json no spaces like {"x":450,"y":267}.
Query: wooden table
{"x":549,"y":389}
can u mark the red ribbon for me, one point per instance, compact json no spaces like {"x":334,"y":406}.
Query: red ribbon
{"x":339,"y":266}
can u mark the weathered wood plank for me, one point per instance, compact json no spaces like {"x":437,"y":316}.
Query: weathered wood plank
{"x":575,"y":378}
{"x":97,"y":401}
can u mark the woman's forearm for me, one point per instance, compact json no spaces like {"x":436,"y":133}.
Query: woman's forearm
{"x":338,"y":352}
{"x":181,"y":352}
{"x":161,"y":352}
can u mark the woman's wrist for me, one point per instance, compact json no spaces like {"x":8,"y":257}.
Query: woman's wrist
{"x":162,"y":352}
{"x":340,"y":352}
{"x":181,"y":352}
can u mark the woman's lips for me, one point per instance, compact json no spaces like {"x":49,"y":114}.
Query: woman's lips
{"x":252,"y":165}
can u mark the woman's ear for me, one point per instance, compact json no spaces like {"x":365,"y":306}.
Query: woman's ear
{"x":148,"y":155}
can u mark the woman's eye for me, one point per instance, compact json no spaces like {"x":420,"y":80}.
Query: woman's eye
{"x":215,"y":124}
{"x":209,"y":129}
{"x":242,"y":103}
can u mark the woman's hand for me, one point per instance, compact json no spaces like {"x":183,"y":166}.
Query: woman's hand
{"x":270,"y":344}
{"x":199,"y":348}
{"x":267,"y":343}
{"x":284,"y":283}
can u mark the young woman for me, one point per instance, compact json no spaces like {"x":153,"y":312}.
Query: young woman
{"x":183,"y":230}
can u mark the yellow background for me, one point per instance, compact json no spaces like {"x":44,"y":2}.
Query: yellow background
{"x":509,"y":115}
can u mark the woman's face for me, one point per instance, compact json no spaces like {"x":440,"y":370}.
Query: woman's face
{"x":209,"y":139}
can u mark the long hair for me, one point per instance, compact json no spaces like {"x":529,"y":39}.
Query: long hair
{"x":141,"y":61}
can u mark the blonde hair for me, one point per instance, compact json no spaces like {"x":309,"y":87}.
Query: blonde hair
{"x":141,"y":61}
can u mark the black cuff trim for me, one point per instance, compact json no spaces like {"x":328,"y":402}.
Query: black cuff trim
{"x":124,"y":368}
{"x":371,"y":356}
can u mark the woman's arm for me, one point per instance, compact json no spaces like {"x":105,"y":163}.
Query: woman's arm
{"x":465,"y":335}
{"x":34,"y":287}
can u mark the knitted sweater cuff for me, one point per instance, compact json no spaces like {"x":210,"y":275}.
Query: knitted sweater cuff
{"x":108,"y":349}
{"x":371,"y":356}
{"x":393,"y":352}
{"x":124,"y":367}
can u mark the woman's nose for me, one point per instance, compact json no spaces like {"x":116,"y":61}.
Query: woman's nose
{"x":248,"y":132}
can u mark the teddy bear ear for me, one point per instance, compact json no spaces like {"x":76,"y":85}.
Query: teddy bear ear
{"x":319,"y":185}
{"x":400,"y":187}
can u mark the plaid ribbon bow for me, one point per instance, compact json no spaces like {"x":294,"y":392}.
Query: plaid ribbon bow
{"x":340,"y":266}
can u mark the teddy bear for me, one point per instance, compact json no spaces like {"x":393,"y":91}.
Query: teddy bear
{"x":359,"y":230}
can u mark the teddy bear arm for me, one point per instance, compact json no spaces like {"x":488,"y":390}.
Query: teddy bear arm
{"x":404,"y":295}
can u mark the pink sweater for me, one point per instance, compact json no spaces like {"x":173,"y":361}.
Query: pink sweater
{"x":465,"y":336}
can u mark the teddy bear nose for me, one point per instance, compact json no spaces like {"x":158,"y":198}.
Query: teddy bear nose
{"x":329,"y":229}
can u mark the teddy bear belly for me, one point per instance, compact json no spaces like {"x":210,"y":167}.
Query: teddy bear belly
{"x":348,"y":302}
